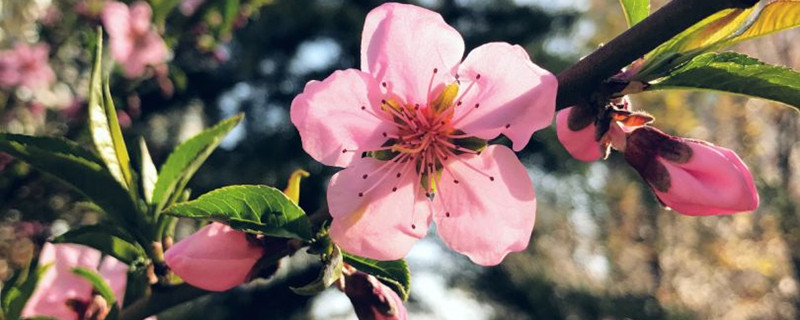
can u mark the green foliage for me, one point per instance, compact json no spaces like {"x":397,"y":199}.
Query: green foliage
{"x":106,"y":239}
{"x":106,"y":133}
{"x":184,"y":161}
{"x":393,"y":273}
{"x":251,"y":208}
{"x":735,"y":73}
{"x":331,"y":271}
{"x":635,"y":10}
{"x":147,"y":171}
{"x":101,"y":287}
{"x":19,"y":289}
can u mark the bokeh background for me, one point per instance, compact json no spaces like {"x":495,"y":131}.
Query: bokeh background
{"x":602,"y":248}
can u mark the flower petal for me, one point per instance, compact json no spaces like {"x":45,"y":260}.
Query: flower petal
{"x":491,"y":205}
{"x":215,"y":258}
{"x":380,"y":222}
{"x":116,"y":275}
{"x":140,"y":14}
{"x":59,"y":284}
{"x":340,"y":113}
{"x":514,"y":96}
{"x":402,"y":45}
{"x":713,"y":181}
{"x":580,"y":144}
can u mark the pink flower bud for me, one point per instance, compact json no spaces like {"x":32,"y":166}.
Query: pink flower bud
{"x":215,"y":258}
{"x":690,"y":176}
{"x":578,"y":136}
{"x":372,"y":299}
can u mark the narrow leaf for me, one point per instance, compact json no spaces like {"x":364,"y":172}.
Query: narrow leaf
{"x":68,"y":163}
{"x":251,"y":208}
{"x":184,"y":161}
{"x":775,"y":16}
{"x":736,"y":73}
{"x":97,"y":282}
{"x":331,"y":271}
{"x":15,"y":297}
{"x":635,"y":10}
{"x":148,"y":171}
{"x":106,"y":133}
{"x":393,"y":273}
{"x":107,"y":240}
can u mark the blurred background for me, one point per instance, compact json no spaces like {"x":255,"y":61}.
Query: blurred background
{"x":602,"y":248}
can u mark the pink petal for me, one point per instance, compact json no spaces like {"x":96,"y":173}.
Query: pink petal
{"x":402,"y":45}
{"x":59,"y":284}
{"x":381,"y":224}
{"x":515,"y":96}
{"x":140,"y":17}
{"x":215,"y":258}
{"x":713,"y":181}
{"x":116,"y":275}
{"x":116,"y":19}
{"x":330,"y":118}
{"x":487,"y":218}
{"x":372,"y":299}
{"x":580,"y":144}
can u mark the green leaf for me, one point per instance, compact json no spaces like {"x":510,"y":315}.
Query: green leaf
{"x":184,"y":161}
{"x":331,"y":271}
{"x":393,"y":273}
{"x":251,"y":208}
{"x":775,"y":16}
{"x":635,"y":10}
{"x":735,"y":73}
{"x":71,"y":164}
{"x":14,"y":298}
{"x":101,"y":287}
{"x":106,"y":133}
{"x":148,"y":171}
{"x":106,"y":239}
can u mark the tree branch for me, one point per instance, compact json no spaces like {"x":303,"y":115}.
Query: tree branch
{"x":577,"y":83}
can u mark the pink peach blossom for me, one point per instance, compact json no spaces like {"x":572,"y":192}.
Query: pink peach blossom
{"x":411,"y":126}
{"x":26,"y":66}
{"x":690,"y":176}
{"x":60,"y":293}
{"x":188,"y":7}
{"x":215,"y":258}
{"x":135,"y":44}
{"x":372,"y":299}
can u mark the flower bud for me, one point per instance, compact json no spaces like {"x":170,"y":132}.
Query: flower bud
{"x":577,"y":134}
{"x":215,"y":258}
{"x":372,"y":299}
{"x":690,"y":176}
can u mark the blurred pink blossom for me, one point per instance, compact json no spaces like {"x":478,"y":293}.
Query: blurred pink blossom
{"x":26,"y":66}
{"x":135,"y":44}
{"x":63,"y":295}
{"x":423,"y":116}
{"x":188,"y":7}
{"x":690,"y":176}
{"x":215,"y":258}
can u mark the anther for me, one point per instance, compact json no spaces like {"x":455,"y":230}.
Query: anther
{"x":385,"y":135}
{"x":360,"y":194}
{"x":344,"y":150}
{"x":443,"y":122}
{"x":383,"y":84}
{"x":455,"y":181}
{"x":364,"y":176}
{"x":363,"y":108}
{"x":394,"y":189}
{"x":508,"y":125}
{"x":491,"y":178}
{"x":478,"y":76}
{"x":398,"y":174}
{"x":416,"y":106}
{"x":383,"y":101}
{"x":458,"y":103}
{"x":477,"y":105}
{"x":435,"y":70}
{"x":413,"y":226}
{"x":447,"y":214}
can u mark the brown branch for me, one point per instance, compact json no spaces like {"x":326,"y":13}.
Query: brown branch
{"x":580,"y":81}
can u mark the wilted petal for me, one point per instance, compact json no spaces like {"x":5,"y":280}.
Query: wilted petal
{"x":402,"y":45}
{"x":510,"y":94}
{"x":215,"y":258}
{"x":372,"y":299}
{"x":338,"y":113}
{"x":580,"y":144}
{"x":485,"y":205}
{"x":380,"y":216}
{"x":59,"y":284}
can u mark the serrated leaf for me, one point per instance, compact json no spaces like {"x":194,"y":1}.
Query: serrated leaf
{"x":64,"y":161}
{"x":331,"y":271}
{"x":635,"y":10}
{"x":106,"y":239}
{"x":184,"y":161}
{"x":103,"y":123}
{"x":735,"y":73}
{"x":148,"y":171}
{"x":15,"y":297}
{"x":251,"y":208}
{"x":393,"y":273}
{"x":775,"y":16}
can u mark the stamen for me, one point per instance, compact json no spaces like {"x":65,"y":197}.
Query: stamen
{"x":464,"y":162}
{"x":386,"y":173}
{"x":430,"y":86}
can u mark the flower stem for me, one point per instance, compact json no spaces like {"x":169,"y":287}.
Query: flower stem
{"x":579,"y":83}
